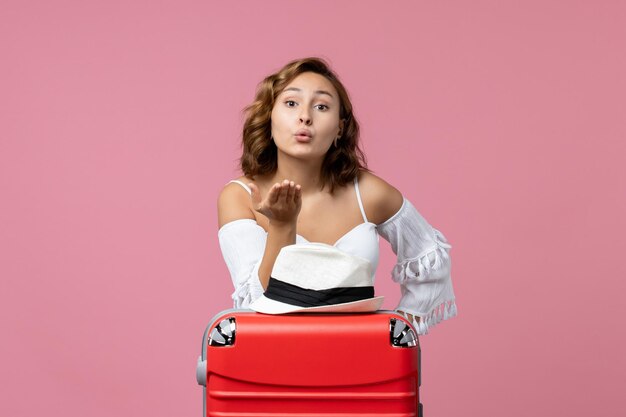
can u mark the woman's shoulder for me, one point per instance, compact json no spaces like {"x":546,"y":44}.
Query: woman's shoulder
{"x":234,"y":203}
{"x":381,"y":200}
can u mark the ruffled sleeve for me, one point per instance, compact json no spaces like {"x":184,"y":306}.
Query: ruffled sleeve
{"x":243,"y":243}
{"x":422,"y":268}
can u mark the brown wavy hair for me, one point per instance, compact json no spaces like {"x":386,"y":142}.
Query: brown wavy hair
{"x":341,"y":164}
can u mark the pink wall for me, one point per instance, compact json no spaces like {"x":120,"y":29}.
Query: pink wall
{"x":503,"y":122}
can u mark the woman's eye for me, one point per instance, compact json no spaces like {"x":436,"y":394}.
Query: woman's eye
{"x":288,"y":103}
{"x":323,"y":105}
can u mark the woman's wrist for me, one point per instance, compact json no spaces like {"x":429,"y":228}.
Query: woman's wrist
{"x":282,"y":226}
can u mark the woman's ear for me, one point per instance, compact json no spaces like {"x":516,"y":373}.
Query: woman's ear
{"x":341,"y":126}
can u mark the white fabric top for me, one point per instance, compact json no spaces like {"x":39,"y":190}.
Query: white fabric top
{"x":422,"y":269}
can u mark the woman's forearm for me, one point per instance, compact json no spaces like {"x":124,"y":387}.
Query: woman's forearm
{"x":279,"y":235}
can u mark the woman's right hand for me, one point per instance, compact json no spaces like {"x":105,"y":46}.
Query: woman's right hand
{"x":282,"y":203}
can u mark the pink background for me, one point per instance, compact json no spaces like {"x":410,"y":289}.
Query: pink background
{"x":503,"y":122}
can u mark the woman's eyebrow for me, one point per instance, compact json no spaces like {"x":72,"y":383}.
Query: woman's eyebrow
{"x":316,"y":92}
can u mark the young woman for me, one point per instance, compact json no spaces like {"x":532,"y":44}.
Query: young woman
{"x":305,"y":180}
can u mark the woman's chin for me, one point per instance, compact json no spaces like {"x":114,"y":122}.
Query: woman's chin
{"x":304,"y":152}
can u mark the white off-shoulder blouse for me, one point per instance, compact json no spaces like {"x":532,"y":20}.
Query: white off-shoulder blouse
{"x":422,"y":269}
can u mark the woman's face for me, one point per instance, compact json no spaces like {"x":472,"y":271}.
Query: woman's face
{"x":305,"y":117}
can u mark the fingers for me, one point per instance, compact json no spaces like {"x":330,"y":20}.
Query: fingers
{"x":298,"y":194}
{"x":284,"y":189}
{"x":274,"y":193}
{"x":284,"y":193}
{"x":294,"y":193}
{"x":291,"y":191}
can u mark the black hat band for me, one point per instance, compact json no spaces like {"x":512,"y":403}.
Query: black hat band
{"x":292,"y":294}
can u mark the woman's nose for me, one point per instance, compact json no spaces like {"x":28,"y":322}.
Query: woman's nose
{"x":305,"y":117}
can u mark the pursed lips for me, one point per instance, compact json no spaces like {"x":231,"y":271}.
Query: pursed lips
{"x":303,"y":136}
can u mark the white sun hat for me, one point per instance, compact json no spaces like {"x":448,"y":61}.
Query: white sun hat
{"x":318,"y":278}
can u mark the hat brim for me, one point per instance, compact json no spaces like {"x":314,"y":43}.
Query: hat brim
{"x":269,"y":306}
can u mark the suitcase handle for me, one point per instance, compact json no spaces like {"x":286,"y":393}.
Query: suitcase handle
{"x":201,"y":371}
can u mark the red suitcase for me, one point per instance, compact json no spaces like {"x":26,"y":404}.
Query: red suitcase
{"x":303,"y":364}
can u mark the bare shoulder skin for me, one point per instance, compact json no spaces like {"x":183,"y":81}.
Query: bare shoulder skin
{"x":233,"y":203}
{"x":380,"y":199}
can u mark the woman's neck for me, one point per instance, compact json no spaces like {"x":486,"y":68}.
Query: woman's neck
{"x":303,"y":172}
